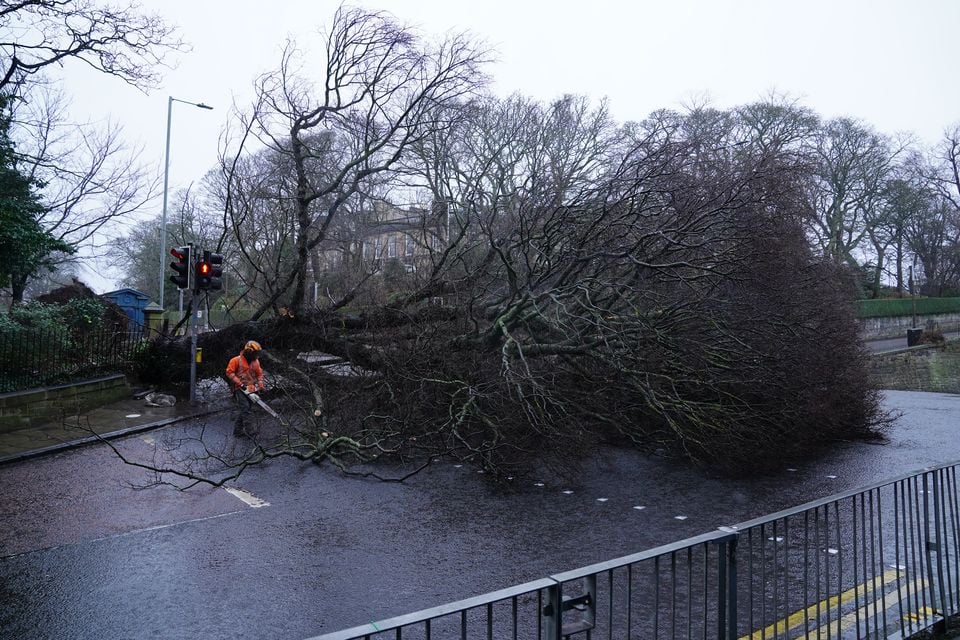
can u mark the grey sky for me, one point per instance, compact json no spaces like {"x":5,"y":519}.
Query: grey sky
{"x":890,"y":63}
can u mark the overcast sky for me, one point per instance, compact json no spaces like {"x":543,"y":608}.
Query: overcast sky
{"x":890,"y":63}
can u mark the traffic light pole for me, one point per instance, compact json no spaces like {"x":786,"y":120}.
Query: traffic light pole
{"x":194,"y":310}
{"x":197,"y":274}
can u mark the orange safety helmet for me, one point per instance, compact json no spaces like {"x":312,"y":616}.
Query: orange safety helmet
{"x":252,"y":345}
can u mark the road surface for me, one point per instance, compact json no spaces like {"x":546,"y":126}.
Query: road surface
{"x":300,"y":550}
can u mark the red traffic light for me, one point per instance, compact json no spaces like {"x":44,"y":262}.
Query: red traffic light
{"x":204,"y":268}
{"x":183,"y":277}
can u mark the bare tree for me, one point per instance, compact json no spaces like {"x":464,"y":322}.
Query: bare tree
{"x":90,"y":179}
{"x":93,"y":182}
{"x":122,"y":42}
{"x":933,"y":228}
{"x":852,"y":164}
{"x":380,"y":90}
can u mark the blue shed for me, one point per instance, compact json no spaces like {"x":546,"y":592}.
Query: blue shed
{"x":132,"y":302}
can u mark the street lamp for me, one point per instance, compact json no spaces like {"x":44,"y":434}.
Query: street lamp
{"x":166,"y":179}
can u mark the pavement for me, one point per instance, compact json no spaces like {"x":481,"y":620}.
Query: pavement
{"x":114,"y":420}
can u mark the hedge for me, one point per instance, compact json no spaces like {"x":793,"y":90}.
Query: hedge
{"x":884,"y":308}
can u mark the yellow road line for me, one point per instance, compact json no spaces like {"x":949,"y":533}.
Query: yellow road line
{"x":796,"y":618}
{"x":867,"y":612}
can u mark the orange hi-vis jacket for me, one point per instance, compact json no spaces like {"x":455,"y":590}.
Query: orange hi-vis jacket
{"x":245,"y":375}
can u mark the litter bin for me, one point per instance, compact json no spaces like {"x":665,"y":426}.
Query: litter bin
{"x":913,"y":336}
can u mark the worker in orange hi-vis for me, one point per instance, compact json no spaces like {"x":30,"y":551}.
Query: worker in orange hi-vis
{"x":246,"y":378}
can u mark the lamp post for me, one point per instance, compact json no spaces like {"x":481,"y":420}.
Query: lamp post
{"x":166,"y":180}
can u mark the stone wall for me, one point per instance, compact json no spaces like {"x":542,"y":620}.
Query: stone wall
{"x":896,"y":326}
{"x":923,"y":368}
{"x":22,"y":409}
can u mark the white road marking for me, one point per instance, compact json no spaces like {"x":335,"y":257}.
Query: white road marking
{"x":602,"y":499}
{"x":247,"y":497}
{"x":127,"y":533}
{"x":679,"y":517}
{"x":568,"y":492}
{"x":133,"y":415}
{"x":640,"y":507}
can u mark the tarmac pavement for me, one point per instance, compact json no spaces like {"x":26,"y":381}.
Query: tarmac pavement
{"x":113,"y":420}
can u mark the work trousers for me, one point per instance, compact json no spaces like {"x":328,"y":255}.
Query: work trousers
{"x":244,"y":409}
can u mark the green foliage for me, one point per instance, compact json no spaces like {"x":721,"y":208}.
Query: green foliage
{"x":84,"y":313}
{"x":76,"y":315}
{"x":886,"y":308}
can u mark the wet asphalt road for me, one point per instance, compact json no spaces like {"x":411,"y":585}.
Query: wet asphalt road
{"x":83,"y":555}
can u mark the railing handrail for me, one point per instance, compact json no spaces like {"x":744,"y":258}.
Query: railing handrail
{"x":649,"y":554}
{"x":439,"y":611}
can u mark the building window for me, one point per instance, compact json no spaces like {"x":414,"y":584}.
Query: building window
{"x":392,"y":247}
{"x":409,"y":246}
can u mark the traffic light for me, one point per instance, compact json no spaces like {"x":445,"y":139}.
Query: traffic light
{"x":216,"y":269}
{"x":209,"y":272}
{"x":181,"y":267}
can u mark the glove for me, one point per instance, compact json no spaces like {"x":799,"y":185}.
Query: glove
{"x":254,"y":397}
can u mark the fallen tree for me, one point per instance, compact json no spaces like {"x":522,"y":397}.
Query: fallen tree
{"x":671,"y":302}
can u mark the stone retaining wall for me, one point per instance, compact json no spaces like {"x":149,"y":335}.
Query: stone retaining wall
{"x":22,"y":409}
{"x":896,"y":326}
{"x":923,"y":368}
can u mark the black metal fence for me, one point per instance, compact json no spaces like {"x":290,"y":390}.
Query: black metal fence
{"x":877,"y":562}
{"x":32,"y":358}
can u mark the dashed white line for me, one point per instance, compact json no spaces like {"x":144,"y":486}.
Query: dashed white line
{"x":247,"y":497}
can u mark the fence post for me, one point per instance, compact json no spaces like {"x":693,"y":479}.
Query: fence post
{"x":732,"y":587}
{"x":553,"y":612}
{"x":930,"y":543}
{"x":727,"y":586}
{"x":938,"y":521}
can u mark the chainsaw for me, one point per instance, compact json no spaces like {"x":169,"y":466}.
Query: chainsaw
{"x":264,"y":406}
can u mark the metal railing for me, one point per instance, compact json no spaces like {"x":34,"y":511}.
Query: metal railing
{"x":876,"y":562}
{"x":40,"y":357}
